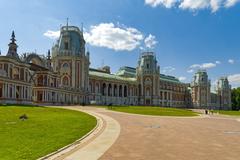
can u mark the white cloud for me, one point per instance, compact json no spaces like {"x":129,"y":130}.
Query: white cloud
{"x":214,"y":5}
{"x":203,"y":66}
{"x":234,"y":79}
{"x":113,"y":37}
{"x":230,"y":3}
{"x":150,"y":41}
{"x":110,"y":36}
{"x":168,"y":69}
{"x":182,"y":78}
{"x":52,"y":34}
{"x":231,"y":61}
{"x":193,"y":5}
{"x":166,"y":3}
{"x":190,"y":71}
{"x":209,"y":65}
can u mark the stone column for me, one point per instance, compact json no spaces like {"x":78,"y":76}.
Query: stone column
{"x":171,"y":99}
{"x":14,"y":91}
{"x":8,"y":90}
{"x":3,"y":90}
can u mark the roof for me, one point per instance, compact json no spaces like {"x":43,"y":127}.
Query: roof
{"x":36,"y":67}
{"x":101,"y":74}
{"x":168,"y":78}
{"x":126,"y":73}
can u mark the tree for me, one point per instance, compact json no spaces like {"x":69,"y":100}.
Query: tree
{"x":236,"y":99}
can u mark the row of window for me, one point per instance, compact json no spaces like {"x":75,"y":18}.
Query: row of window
{"x":15,"y":72}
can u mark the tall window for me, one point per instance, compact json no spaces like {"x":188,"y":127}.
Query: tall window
{"x":66,"y":45}
{"x":65,"y":81}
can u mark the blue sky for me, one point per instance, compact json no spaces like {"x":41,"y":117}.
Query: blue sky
{"x":185,"y":34}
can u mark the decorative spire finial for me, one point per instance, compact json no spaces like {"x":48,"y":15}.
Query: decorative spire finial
{"x":13,"y":37}
{"x":82,"y":26}
{"x":48,"y":55}
{"x":12,"y":47}
{"x":67,"y":23}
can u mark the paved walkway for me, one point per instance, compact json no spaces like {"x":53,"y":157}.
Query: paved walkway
{"x":163,"y":138}
{"x":171,"y":138}
{"x":96,"y":144}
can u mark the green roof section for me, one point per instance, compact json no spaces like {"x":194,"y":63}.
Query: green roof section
{"x":168,"y":78}
{"x":100,"y":74}
{"x":126,"y":73}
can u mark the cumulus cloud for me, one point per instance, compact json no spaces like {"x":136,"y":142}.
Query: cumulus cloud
{"x":209,"y":65}
{"x":52,"y":34}
{"x":193,"y":5}
{"x":168,"y":69}
{"x":231,"y":61}
{"x":117,"y":37}
{"x":203,"y":66}
{"x":165,"y":3}
{"x":114,"y":37}
{"x":230,"y":3}
{"x":234,"y":79}
{"x":190,"y":70}
{"x":182,"y":78}
{"x":150,"y":41}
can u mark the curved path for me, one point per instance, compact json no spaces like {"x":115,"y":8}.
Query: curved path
{"x":167,"y":138}
{"x":171,"y":138}
{"x":93,"y":145}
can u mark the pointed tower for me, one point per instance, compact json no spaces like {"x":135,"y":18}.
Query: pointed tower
{"x":70,"y":59}
{"x":49,"y":60}
{"x":224,"y":93}
{"x":148,"y":75}
{"x":201,"y":85}
{"x":12,"y":50}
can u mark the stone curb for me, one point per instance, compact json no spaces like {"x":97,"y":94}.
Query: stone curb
{"x":76,"y":143}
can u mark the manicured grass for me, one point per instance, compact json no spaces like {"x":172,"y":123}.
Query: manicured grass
{"x":158,"y":111}
{"x":45,"y":130}
{"x":231,"y":113}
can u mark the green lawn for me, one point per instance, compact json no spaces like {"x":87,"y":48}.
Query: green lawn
{"x":158,"y":111}
{"x":45,"y":130}
{"x":231,"y":113}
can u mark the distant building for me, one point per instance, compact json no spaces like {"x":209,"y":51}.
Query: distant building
{"x":64,"y":77}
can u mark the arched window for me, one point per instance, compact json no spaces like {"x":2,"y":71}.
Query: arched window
{"x":40,"y":80}
{"x":65,"y":65}
{"x":66,"y":45}
{"x":104,"y":89}
{"x":97,"y":88}
{"x":65,"y":81}
{"x":120,"y":91}
{"x":125,"y":91}
{"x":109,"y":90}
{"x":90,"y":87}
{"x":148,"y":91}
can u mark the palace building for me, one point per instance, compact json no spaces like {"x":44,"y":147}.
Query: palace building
{"x":64,"y":77}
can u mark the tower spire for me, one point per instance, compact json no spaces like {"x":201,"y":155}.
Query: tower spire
{"x":12,"y":47}
{"x":82,"y":26}
{"x":49,"y":60}
{"x":13,"y":37}
{"x":67,"y":23}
